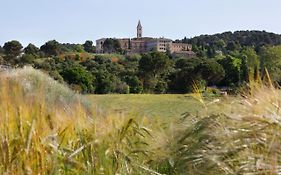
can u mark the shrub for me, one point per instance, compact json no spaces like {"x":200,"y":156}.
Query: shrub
{"x":77,"y":75}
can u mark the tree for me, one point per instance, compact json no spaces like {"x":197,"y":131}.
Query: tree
{"x":107,"y":75}
{"x":12,"y":50}
{"x":232,"y":67}
{"x":154,"y":67}
{"x":51,"y":48}
{"x":211,"y":52}
{"x":67,"y":47}
{"x":251,"y":63}
{"x":76,"y":75}
{"x":211,"y":71}
{"x":77,"y":48}
{"x":271,"y":60}
{"x":185,"y":75}
{"x":112,"y":46}
{"x":232,"y":46}
{"x":31,"y":49}
{"x":27,"y":59}
{"x":1,"y":50}
{"x":135,"y":84}
{"x":235,"y":39}
{"x":88,"y":46}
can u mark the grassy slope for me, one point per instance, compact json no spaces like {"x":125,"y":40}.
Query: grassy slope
{"x":148,"y":105}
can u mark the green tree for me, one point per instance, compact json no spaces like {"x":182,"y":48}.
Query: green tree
{"x":12,"y":50}
{"x":185,"y":75}
{"x":129,"y":73}
{"x":271,"y":60}
{"x":31,"y":49}
{"x":251,"y":63}
{"x":89,"y":47}
{"x":232,"y":46}
{"x":76,"y":75}
{"x":51,"y":48}
{"x":107,"y":75}
{"x":154,"y":67}
{"x":67,"y":47}
{"x":111,"y":45}
{"x":78,"y":48}
{"x":135,"y":84}
{"x":211,"y":71}
{"x":27,"y":59}
{"x":232,"y":67}
{"x":1,"y":50}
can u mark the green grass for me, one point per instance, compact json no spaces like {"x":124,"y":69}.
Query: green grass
{"x":169,"y":105}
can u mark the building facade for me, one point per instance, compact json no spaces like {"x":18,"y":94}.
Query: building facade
{"x":125,"y":43}
{"x":99,"y":45}
{"x":142,"y":44}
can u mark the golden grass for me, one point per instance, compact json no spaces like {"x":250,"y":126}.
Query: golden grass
{"x":41,"y":135}
{"x":47,"y":129}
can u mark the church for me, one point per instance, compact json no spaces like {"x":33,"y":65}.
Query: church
{"x":142,"y":44}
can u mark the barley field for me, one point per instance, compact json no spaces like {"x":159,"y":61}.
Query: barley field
{"x":45,"y":128}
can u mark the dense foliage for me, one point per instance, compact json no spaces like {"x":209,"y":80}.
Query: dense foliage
{"x":211,"y":45}
{"x":225,"y":60}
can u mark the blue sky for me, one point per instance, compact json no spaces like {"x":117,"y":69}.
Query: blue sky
{"x":75,"y":21}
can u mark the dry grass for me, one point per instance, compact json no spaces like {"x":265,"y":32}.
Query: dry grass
{"x":242,"y":138}
{"x":47,"y":129}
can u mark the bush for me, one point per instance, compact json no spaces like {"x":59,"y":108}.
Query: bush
{"x":210,"y":91}
{"x":77,"y":75}
{"x":122,"y":88}
{"x":161,"y":87}
{"x":135,"y":84}
{"x":27,"y":59}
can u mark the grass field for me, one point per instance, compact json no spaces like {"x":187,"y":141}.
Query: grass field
{"x":170,"y":105}
{"x":46,"y":128}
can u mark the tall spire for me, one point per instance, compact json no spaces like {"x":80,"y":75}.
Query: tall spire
{"x":139,"y":24}
{"x":139,"y":30}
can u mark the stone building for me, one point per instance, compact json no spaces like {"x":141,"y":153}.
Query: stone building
{"x":125,"y":43}
{"x":142,"y":44}
{"x":179,"y":47}
{"x":99,"y":45}
{"x":139,"y":45}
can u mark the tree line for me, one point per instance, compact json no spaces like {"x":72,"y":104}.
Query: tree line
{"x":223,"y":60}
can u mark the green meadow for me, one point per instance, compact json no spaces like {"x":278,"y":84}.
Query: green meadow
{"x":168,"y":105}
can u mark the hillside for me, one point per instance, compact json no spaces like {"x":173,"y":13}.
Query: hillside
{"x":243,"y":38}
{"x":223,"y":61}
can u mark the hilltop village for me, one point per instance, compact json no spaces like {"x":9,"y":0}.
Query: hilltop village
{"x":153,"y":65}
{"x":142,"y":44}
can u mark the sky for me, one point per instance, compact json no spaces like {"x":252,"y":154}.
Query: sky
{"x":74,"y":21}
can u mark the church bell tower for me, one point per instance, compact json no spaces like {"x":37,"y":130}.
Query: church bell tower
{"x":139,"y":30}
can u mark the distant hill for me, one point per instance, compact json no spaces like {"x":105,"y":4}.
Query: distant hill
{"x":241,"y":38}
